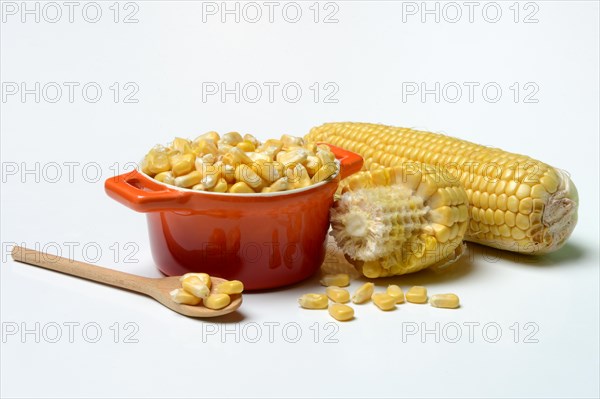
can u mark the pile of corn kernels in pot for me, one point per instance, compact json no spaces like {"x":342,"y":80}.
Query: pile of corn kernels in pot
{"x":233,"y":163}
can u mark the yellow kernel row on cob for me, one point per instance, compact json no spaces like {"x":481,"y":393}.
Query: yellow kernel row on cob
{"x":515,"y":202}
{"x":393,"y":221}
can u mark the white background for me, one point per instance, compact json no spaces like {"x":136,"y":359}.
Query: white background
{"x":372,"y":49}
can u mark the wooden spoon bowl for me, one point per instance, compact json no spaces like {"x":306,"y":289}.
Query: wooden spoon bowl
{"x":157,"y":288}
{"x":163,"y":287}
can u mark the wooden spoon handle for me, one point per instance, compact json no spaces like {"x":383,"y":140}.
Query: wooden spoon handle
{"x":81,"y":269}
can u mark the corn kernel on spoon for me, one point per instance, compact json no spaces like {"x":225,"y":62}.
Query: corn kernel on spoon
{"x":157,"y":288}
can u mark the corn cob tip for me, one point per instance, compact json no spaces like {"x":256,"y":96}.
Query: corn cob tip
{"x":560,"y":214}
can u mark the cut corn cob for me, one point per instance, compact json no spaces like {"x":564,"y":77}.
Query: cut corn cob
{"x":515,"y":202}
{"x":392,"y":221}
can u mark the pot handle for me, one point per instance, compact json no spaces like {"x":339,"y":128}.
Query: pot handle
{"x":350,"y":162}
{"x":138,"y":192}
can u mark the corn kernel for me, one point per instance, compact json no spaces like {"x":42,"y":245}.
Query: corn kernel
{"x":325,"y":155}
{"x":313,"y":301}
{"x":338,"y":280}
{"x":292,"y":157}
{"x":204,"y":277}
{"x":182,"y":145}
{"x":384,"y":301}
{"x":240,"y":187}
{"x":204,"y":147}
{"x":363,"y":293}
{"x":235,"y":157}
{"x":324,"y":173}
{"x":270,"y":171}
{"x":244,"y":173}
{"x":157,"y":162}
{"x":165,"y":177}
{"x":298,"y":176}
{"x":180,"y":295}
{"x":220,"y":187}
{"x":337,"y":294}
{"x":196,"y":287}
{"x":223,"y":148}
{"x":312,"y":164}
{"x":231,"y":138}
{"x":259,"y":156}
{"x":230,"y":287}
{"x":227,"y":171}
{"x":341,"y":312}
{"x":183,"y":164}
{"x":250,"y":138}
{"x":271,"y":147}
{"x":395,"y":292}
{"x":189,"y":180}
{"x":279,"y":185}
{"x":217,"y":301}
{"x":449,"y":301}
{"x":292,"y":141}
{"x":417,"y":294}
{"x":213,"y":136}
{"x":246,"y":146}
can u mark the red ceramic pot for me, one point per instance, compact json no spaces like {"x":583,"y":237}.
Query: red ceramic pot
{"x":264,"y":240}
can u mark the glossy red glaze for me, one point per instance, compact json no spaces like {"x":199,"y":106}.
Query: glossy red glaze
{"x":263,"y":241}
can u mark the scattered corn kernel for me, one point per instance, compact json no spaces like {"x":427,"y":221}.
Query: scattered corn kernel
{"x":313,"y":301}
{"x":196,"y":287}
{"x":181,"y":296}
{"x":230,"y":287}
{"x":396,"y":292}
{"x":217,"y":301}
{"x":337,"y":294}
{"x":341,"y":312}
{"x":384,"y":301}
{"x":417,"y":294}
{"x":338,"y":280}
{"x":449,"y":301}
{"x":363,"y":293}
{"x":204,"y":277}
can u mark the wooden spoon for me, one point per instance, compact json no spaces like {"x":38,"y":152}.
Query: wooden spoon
{"x":157,"y":288}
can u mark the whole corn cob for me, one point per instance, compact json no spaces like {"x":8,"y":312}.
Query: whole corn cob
{"x":515,"y":202}
{"x":394,"y":221}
